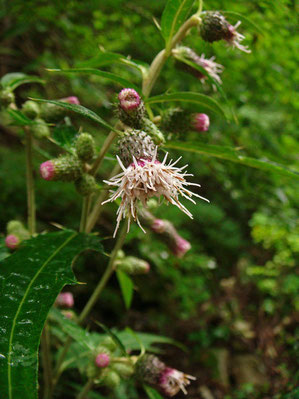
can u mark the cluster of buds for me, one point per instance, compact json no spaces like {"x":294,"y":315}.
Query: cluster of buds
{"x":105,"y":368}
{"x":179,"y":121}
{"x":209,"y":66}
{"x":215,"y":27}
{"x":7,"y":98}
{"x":131,"y":264}
{"x":71,"y":167}
{"x":16,"y":233}
{"x":167,"y":233}
{"x":167,"y":380}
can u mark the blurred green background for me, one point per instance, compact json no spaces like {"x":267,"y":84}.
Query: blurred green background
{"x":233,"y":299}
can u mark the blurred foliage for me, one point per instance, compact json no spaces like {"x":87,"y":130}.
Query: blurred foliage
{"x":235,"y":293}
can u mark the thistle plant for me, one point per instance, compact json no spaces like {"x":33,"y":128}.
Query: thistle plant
{"x":144,"y":170}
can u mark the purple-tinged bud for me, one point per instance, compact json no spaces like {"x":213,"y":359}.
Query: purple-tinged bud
{"x":47,"y":170}
{"x":131,"y":108}
{"x":158,"y":226}
{"x":12,"y":241}
{"x":102,"y":360}
{"x":181,"y":246}
{"x":200,"y":122}
{"x":65,"y":168}
{"x":65,"y":300}
{"x":234,"y":38}
{"x":71,"y":100}
{"x":129,"y":99}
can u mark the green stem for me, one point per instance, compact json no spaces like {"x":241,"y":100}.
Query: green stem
{"x":47,"y":363}
{"x":87,"y":387}
{"x":29,"y":182}
{"x":107,"y":143}
{"x":92,"y":300}
{"x":84,"y":213}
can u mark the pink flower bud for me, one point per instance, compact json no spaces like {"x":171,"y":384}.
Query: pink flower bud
{"x":47,"y":170}
{"x":181,"y":246}
{"x":129,"y":99}
{"x":102,"y":360}
{"x":158,"y":226}
{"x":65,"y":299}
{"x":71,"y":100}
{"x":200,"y":122}
{"x":12,"y":241}
{"x":147,"y":267}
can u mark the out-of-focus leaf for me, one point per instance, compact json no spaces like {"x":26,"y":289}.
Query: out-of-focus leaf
{"x":105,"y":75}
{"x":173,"y":17}
{"x":115,"y":338}
{"x":19,"y":118}
{"x":13,"y":80}
{"x":126,"y":286}
{"x":79,"y":109}
{"x":151,"y":392}
{"x":64,"y":136}
{"x":233,"y":155}
{"x":31,"y":279}
{"x":201,"y":100}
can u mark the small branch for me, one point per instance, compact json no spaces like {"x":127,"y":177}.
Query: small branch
{"x":87,"y":387}
{"x":109,"y":140}
{"x":29,"y":182}
{"x":47,"y":363}
{"x":84,"y":213}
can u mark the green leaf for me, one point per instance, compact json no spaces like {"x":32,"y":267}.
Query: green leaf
{"x":19,"y":118}
{"x":13,"y":80}
{"x":64,"y":136}
{"x":126,"y":286}
{"x":201,"y":100}
{"x":106,"y":75}
{"x":115,"y":338}
{"x":173,"y":17}
{"x":233,"y":155}
{"x":245,"y":19}
{"x":31,"y":279}
{"x":79,"y":109}
{"x":151,"y":392}
{"x":210,"y":79}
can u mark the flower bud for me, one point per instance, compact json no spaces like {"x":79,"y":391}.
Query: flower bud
{"x":12,"y":241}
{"x":102,"y":360}
{"x":31,"y":109}
{"x":133,"y":265}
{"x":86,"y":184}
{"x":124,"y":370}
{"x":65,"y":168}
{"x":200,"y":122}
{"x":54,"y":113}
{"x":158,"y":226}
{"x":181,"y":246}
{"x":131,"y":108}
{"x":71,"y":100}
{"x":7,"y":97}
{"x":111,"y":379}
{"x":65,"y":300}
{"x":40,"y":129}
{"x":135,"y":143}
{"x":109,"y":344}
{"x":16,"y":228}
{"x":214,"y":26}
{"x":85,"y":147}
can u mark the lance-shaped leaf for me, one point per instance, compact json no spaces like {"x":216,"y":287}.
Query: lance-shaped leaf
{"x":103,"y":74}
{"x":233,"y":155}
{"x":13,"y":80}
{"x":173,"y":17}
{"x":31,"y":279}
{"x":79,"y":109}
{"x":151,"y":392}
{"x":201,"y":100}
{"x":126,"y":286}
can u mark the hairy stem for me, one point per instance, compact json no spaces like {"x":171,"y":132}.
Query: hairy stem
{"x":47,"y":363}
{"x":84,"y":213}
{"x":87,"y":387}
{"x":29,"y":182}
{"x":109,"y":140}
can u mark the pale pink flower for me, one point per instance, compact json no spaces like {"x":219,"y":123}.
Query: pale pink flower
{"x":12,"y":241}
{"x":200,"y":122}
{"x":65,"y":299}
{"x":172,"y":381}
{"x":102,"y":360}
{"x":234,"y":38}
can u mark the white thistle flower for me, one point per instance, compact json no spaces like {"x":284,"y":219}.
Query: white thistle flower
{"x":213,"y":68}
{"x":172,"y":381}
{"x":146,"y":178}
{"x":234,"y":38}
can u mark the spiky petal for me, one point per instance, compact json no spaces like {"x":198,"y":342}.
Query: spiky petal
{"x":234,"y":38}
{"x":172,"y":381}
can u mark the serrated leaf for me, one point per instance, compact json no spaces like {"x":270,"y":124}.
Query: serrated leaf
{"x":126,"y":286}
{"x":173,"y":17}
{"x":79,"y":109}
{"x":106,"y":75}
{"x":13,"y":80}
{"x":233,"y":155}
{"x":201,"y":100}
{"x":64,"y":136}
{"x":245,"y":19}
{"x":31,"y":279}
{"x":151,"y":392}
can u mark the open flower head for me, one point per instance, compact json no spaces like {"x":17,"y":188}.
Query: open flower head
{"x":235,"y":38}
{"x":172,"y":381}
{"x":145,"y":178}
